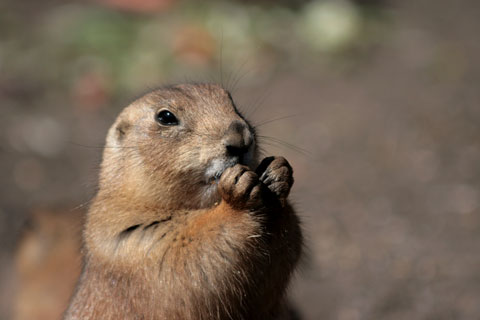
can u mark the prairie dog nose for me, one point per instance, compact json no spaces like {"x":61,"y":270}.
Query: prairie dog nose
{"x":238,"y":138}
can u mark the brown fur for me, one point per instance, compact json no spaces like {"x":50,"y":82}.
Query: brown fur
{"x":47,"y":264}
{"x":164,"y":242}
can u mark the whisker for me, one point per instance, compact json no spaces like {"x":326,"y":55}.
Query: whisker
{"x":259,"y":101}
{"x":275,"y":119}
{"x":237,"y":76}
{"x":81,"y":205}
{"x":278,"y":142}
{"x":221,"y":59}
{"x":291,"y":146}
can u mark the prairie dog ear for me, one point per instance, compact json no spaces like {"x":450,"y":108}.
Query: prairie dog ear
{"x":121,"y":130}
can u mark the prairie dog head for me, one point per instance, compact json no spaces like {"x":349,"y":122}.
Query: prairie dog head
{"x":169,"y":148}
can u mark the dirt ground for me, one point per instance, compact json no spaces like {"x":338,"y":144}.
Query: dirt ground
{"x":386,"y":159}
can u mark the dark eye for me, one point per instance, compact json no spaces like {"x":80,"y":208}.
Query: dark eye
{"x":166,"y":118}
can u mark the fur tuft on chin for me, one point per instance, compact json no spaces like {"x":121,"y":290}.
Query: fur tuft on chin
{"x":217,"y":167}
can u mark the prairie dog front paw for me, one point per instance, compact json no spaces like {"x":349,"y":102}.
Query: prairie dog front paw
{"x":276,"y":174}
{"x":240,"y":188}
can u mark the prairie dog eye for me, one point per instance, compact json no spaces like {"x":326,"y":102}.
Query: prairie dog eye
{"x":166,"y":118}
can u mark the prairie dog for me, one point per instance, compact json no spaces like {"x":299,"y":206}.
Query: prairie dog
{"x":186,"y":224}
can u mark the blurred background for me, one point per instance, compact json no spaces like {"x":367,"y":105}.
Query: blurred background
{"x":374,"y":102}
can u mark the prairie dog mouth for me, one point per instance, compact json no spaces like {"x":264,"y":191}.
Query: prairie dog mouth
{"x":217,"y":167}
